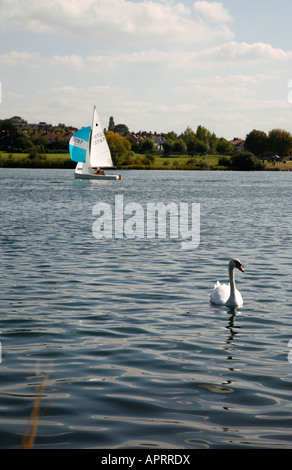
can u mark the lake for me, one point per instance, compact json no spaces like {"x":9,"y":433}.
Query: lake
{"x":120,"y":332}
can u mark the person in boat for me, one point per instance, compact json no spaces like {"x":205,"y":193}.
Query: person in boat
{"x":98,"y":171}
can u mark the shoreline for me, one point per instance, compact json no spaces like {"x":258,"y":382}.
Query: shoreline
{"x":138,"y":162}
{"x":277,"y":169}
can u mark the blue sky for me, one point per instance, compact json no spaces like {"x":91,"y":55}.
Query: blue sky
{"x":159,"y":65}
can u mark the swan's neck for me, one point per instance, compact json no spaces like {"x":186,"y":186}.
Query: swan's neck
{"x":232,"y":286}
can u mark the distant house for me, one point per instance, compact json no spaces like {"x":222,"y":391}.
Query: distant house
{"x":140,"y":136}
{"x":238,"y":144}
{"x":40,"y":125}
{"x":158,"y":141}
{"x":49,"y":132}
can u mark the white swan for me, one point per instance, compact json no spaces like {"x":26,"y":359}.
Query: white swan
{"x":223,"y":294}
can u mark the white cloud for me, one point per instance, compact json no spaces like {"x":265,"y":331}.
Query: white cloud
{"x":226,"y":93}
{"x":15,"y":58}
{"x":258,"y":104}
{"x":73,"y":61}
{"x":213,"y":11}
{"x":256,"y":79}
{"x":232,"y":55}
{"x":13,"y":96}
{"x":231,"y":81}
{"x":67,"y":96}
{"x":180,"y":108}
{"x":114,"y":21}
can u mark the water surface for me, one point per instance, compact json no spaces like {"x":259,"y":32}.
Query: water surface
{"x":121,"y":331}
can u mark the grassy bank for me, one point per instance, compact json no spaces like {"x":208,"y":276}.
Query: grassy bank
{"x":181,"y":162}
{"x":134,"y":161}
{"x":24,"y":160}
{"x":130,"y":162}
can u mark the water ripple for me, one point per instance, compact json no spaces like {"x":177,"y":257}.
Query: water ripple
{"x":121,"y":333}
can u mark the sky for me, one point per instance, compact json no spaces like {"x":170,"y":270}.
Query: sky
{"x":160,"y":65}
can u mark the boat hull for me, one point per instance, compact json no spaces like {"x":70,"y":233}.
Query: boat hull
{"x":85,"y":176}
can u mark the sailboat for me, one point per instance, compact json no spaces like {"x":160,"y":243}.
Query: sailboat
{"x":89,"y":148}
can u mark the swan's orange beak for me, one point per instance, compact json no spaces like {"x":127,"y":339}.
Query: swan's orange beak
{"x":240,"y":267}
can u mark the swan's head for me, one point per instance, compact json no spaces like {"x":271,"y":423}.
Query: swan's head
{"x":235,"y":263}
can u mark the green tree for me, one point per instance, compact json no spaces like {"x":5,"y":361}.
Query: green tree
{"x":134,"y":144}
{"x":256,"y":142}
{"x":148,"y":159}
{"x":246,"y":161}
{"x":213,"y":143}
{"x":167,"y":147}
{"x":203,"y":165}
{"x":57,"y":145}
{"x":189,"y":137}
{"x":179,"y":146}
{"x":280,"y":142}
{"x":17,"y":120}
{"x":202,"y":147}
{"x":147,"y":145}
{"x":224,"y":161}
{"x":121,"y":129}
{"x":192,"y":147}
{"x":210,"y":139}
{"x":11,"y":139}
{"x":8,"y":135}
{"x":203,"y":134}
{"x":22,"y":143}
{"x":172,"y":136}
{"x":224,"y":147}
{"x":119,"y":146}
{"x":42,"y":144}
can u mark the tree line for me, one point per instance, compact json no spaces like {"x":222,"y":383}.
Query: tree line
{"x":190,"y":142}
{"x":202,"y":142}
{"x":277,"y":141}
{"x":15,"y":141}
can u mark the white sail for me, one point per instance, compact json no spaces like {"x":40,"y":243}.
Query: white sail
{"x":89,"y":148}
{"x":85,"y":168}
{"x":100,"y":155}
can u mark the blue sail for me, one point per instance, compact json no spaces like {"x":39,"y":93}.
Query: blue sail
{"x":78,"y":144}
